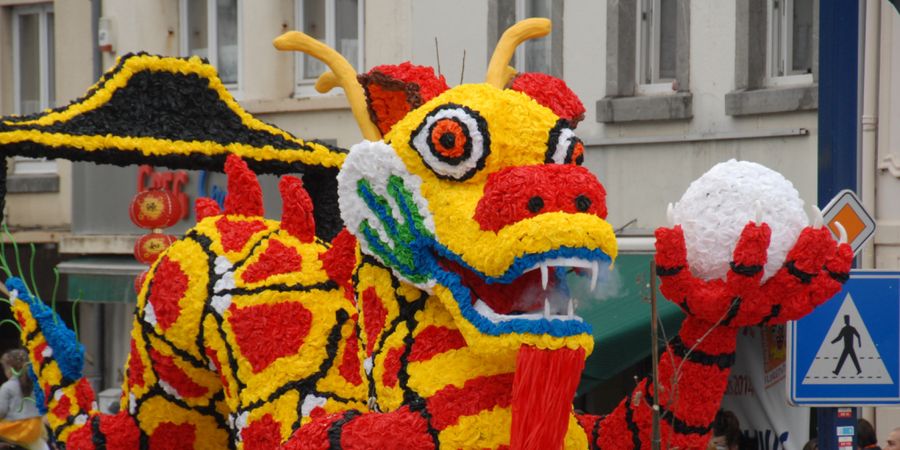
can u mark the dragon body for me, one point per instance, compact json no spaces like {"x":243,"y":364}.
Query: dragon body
{"x":427,"y":323}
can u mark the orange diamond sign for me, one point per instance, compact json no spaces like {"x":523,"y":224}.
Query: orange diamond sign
{"x":846,"y":208}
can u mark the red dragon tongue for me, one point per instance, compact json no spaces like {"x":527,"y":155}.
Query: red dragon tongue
{"x":543,"y":389}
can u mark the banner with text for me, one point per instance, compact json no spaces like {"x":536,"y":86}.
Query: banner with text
{"x":756,"y":392}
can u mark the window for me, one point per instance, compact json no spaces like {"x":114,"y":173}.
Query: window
{"x":535,"y":55}
{"x":210,"y":29}
{"x":776,"y":57}
{"x":33,"y":78}
{"x":337,"y":23}
{"x":33,"y":72}
{"x":789,"y":42}
{"x":647,"y":61}
{"x":657,"y":42}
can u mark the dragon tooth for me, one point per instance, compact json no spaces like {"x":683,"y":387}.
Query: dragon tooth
{"x":545,"y":276}
{"x":546,"y":308}
{"x":595,"y":272}
{"x":571,"y":308}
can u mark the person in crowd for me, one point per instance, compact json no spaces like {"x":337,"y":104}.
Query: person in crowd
{"x":726,"y":432}
{"x":893,"y":440}
{"x":812,"y":444}
{"x":20,"y":421}
{"x":865,"y":435}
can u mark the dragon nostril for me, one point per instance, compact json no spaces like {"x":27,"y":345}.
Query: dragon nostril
{"x":582,"y":203}
{"x":535,"y":204}
{"x":448,"y":140}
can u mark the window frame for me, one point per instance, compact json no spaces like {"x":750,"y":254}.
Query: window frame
{"x":23,"y":165}
{"x":557,"y":9}
{"x":753,"y":93}
{"x":305,"y":87}
{"x":623,"y":100}
{"x":42,"y":9}
{"x":651,"y":50}
{"x":521,"y":50}
{"x":212,"y":39}
{"x":785,"y":57}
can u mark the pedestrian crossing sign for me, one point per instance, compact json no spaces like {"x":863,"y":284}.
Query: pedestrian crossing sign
{"x":847,"y":351}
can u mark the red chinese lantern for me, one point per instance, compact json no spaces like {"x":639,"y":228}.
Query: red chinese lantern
{"x":155,"y":208}
{"x":150,"y":246}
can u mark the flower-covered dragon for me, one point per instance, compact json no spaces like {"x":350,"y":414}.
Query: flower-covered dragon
{"x":424,"y":324}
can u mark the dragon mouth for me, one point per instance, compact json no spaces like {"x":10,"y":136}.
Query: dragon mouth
{"x":543,"y":291}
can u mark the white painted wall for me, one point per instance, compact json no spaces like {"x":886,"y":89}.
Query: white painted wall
{"x":73,"y":76}
{"x":887,"y":189}
{"x":139,"y":26}
{"x":888,"y":153}
{"x":458,"y":25}
{"x":389,"y":31}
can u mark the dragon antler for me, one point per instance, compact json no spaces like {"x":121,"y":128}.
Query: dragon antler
{"x":342,"y":74}
{"x":499,"y":72}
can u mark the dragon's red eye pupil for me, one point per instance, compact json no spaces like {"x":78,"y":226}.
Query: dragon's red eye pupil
{"x":448,"y":138}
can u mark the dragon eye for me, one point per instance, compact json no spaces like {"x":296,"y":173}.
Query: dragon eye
{"x":449,"y":139}
{"x":453,"y":141}
{"x":564,"y":147}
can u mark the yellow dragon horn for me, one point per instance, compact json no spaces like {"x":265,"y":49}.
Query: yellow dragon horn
{"x":342,"y":74}
{"x":499,"y":73}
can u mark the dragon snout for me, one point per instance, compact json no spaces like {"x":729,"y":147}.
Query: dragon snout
{"x":518,"y":193}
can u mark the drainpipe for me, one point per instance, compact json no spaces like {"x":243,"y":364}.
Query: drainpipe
{"x":869,"y":124}
{"x":870,"y":118}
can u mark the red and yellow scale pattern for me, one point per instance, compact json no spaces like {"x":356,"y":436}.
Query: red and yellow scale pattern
{"x":252,"y":334}
{"x":241,"y":335}
{"x":250,"y":343}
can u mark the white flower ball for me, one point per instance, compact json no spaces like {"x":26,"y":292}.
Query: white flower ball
{"x":716,"y":207}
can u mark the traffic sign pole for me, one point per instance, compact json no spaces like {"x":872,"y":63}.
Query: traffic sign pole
{"x":837,"y":428}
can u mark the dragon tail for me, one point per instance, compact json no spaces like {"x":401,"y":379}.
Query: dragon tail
{"x":61,"y":392}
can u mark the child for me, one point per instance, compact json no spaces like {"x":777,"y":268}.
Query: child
{"x":21,"y":422}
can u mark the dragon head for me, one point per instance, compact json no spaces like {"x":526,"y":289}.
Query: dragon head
{"x":476,"y":193}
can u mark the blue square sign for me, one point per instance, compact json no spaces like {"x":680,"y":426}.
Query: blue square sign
{"x":847,"y":351}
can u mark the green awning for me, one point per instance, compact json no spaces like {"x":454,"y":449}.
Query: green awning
{"x":622,"y":321}
{"x":105,"y":279}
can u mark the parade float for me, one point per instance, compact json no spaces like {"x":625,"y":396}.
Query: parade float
{"x":425,"y":322}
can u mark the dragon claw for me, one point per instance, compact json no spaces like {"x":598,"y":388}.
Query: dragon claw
{"x":813,"y":246}
{"x":814,"y":270}
{"x":841,"y":261}
{"x":750,"y":253}
{"x":671,"y":251}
